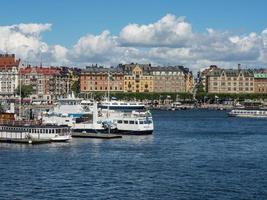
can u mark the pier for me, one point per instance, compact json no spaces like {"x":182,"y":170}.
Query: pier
{"x":95,"y":135}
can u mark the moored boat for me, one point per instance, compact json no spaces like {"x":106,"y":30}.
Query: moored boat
{"x":256,"y":113}
{"x":31,"y":130}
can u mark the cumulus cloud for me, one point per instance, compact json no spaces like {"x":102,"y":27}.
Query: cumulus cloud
{"x":25,"y":41}
{"x":168,"y":31}
{"x":168,"y":41}
{"x":91,"y":48}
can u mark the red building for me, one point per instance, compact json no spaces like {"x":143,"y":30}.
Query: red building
{"x":39,"y":78}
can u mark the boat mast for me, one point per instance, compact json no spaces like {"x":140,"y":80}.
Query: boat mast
{"x":20,"y":99}
{"x":108,"y":100}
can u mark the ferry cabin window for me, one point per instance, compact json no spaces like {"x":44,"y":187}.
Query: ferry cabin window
{"x":119,"y":121}
{"x":141,"y":122}
{"x":136,"y":122}
{"x":125,"y":122}
{"x":131,"y":122}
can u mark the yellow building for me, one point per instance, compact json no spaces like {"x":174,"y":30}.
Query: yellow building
{"x":137,"y":78}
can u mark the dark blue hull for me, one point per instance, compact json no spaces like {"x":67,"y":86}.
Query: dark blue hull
{"x":116,"y":131}
{"x":125,"y":132}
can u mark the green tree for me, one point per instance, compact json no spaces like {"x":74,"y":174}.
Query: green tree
{"x":26,"y":91}
{"x":200,"y":92}
{"x":75,"y":87}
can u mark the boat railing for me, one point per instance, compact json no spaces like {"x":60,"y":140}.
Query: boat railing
{"x":21,"y":122}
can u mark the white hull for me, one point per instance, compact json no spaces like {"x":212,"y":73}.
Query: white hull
{"x":248,"y":113}
{"x":53,"y":133}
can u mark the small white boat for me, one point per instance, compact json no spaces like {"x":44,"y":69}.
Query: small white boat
{"x":256,"y":113}
{"x":49,"y":132}
{"x":121,"y":105}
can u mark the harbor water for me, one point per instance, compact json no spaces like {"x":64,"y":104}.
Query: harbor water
{"x":193,"y":154}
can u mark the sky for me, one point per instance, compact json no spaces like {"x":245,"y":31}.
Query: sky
{"x":192,"y":33}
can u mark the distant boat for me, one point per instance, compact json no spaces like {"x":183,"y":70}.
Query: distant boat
{"x":249,"y":109}
{"x":114,"y":104}
{"x":260,"y":113}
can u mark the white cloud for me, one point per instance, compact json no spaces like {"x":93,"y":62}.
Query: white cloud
{"x":168,"y":31}
{"x":170,"y":40}
{"x":93,"y":48}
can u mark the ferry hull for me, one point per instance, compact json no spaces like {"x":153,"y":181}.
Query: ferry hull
{"x":130,"y":132}
{"x":92,"y":130}
{"x":115,"y":131}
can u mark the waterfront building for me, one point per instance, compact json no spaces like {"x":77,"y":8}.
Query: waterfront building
{"x":203,"y":75}
{"x":60,"y":84}
{"x":8,"y":75}
{"x":39,"y":78}
{"x":95,"y":79}
{"x":137,"y":77}
{"x":172,"y":79}
{"x":260,"y":82}
{"x":230,"y":81}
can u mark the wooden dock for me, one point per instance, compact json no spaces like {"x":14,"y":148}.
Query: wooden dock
{"x":95,"y":135}
{"x":25,"y":141}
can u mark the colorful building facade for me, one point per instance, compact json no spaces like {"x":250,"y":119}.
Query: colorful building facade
{"x":9,"y":78}
{"x":230,"y":81}
{"x":95,"y":79}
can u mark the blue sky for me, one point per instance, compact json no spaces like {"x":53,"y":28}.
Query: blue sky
{"x":73,"y":19}
{"x":74,"y":32}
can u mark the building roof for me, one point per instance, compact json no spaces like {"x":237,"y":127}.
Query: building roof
{"x":128,"y":68}
{"x":49,"y":71}
{"x":8,"y":61}
{"x":230,"y":72}
{"x":260,"y":75}
{"x":102,"y":70}
{"x":170,"y":69}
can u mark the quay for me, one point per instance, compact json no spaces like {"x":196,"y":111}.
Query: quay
{"x":95,"y":135}
{"x":25,"y":141}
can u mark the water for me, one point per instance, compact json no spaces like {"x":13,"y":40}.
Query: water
{"x":191,"y":155}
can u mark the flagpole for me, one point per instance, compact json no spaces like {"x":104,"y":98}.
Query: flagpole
{"x":20,"y":99}
{"x":108,"y":100}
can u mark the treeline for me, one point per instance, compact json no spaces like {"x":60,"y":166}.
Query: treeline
{"x":201,"y":97}
{"x":225,"y":96}
{"x":141,"y":96}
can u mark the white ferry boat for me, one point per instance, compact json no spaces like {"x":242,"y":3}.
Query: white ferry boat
{"x":121,"y":105}
{"x":105,"y":121}
{"x":257,"y":113}
{"x":132,"y":123}
{"x":32,"y":130}
{"x":53,"y":133}
{"x":72,"y":106}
